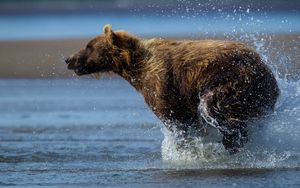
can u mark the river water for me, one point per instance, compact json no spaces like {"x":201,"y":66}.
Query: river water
{"x":87,"y":132}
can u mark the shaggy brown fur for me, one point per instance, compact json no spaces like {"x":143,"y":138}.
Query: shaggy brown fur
{"x":187,"y":83}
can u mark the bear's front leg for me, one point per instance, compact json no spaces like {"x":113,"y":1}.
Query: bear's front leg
{"x":184,"y":128}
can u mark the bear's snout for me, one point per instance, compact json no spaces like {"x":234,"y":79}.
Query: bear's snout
{"x":77,"y":64}
{"x":68,"y":60}
{"x":71,"y":62}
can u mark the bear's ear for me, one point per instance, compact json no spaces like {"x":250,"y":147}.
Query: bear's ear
{"x":109,"y":33}
{"x":107,"y":29}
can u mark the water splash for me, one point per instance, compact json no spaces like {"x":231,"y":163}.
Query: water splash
{"x":274,"y":140}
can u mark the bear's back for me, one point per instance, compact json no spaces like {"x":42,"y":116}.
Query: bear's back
{"x":181,"y":71}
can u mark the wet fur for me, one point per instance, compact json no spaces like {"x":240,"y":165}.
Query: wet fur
{"x":188,"y":83}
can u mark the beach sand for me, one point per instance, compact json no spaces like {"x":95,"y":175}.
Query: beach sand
{"x":44,"y":58}
{"x":37,"y":58}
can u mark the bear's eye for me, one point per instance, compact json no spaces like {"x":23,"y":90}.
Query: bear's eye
{"x":89,"y":47}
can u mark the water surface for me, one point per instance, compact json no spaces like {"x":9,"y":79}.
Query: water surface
{"x":86,"y":132}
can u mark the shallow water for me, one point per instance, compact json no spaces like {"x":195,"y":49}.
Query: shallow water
{"x":85,"y":132}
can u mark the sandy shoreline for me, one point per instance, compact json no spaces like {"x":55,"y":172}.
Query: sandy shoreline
{"x":44,"y":58}
{"x":36,"y":58}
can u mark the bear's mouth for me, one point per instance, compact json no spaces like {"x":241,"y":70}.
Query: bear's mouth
{"x":79,"y":70}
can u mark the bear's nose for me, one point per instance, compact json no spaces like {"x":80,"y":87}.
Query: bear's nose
{"x":68,"y":60}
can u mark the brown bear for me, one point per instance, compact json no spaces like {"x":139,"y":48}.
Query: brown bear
{"x":188,"y":84}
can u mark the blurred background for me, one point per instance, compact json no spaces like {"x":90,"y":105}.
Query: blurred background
{"x":36,"y":35}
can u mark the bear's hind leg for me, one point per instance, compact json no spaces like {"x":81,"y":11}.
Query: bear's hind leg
{"x":236,"y":137}
{"x":235,"y":132}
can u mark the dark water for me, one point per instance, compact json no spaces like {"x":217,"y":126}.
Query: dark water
{"x":86,"y":132}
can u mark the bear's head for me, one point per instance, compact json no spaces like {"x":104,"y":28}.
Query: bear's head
{"x":103,"y":53}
